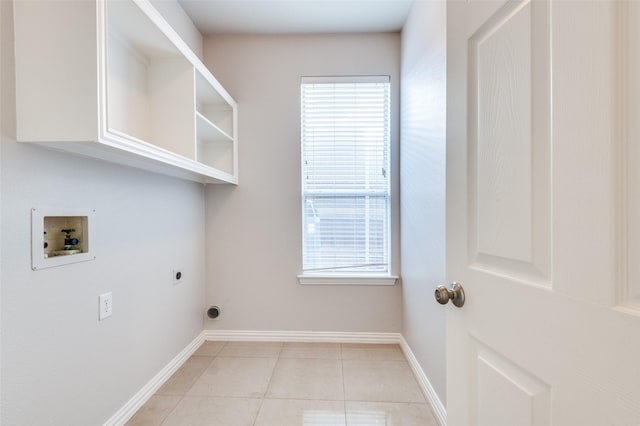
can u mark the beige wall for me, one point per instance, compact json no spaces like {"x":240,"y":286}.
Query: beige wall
{"x":423,"y":185}
{"x":59,"y":364}
{"x":254,"y":231}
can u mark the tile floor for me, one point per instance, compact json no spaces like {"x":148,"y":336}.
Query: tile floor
{"x":281,"y":384}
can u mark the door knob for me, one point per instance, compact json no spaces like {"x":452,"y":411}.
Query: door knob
{"x":455,"y":293}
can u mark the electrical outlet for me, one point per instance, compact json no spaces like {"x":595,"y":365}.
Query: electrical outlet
{"x":178,"y":275}
{"x":106,"y":306}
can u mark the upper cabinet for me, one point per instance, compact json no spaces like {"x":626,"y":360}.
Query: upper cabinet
{"x":112,"y":80}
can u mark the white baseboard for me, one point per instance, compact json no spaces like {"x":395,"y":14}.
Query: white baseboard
{"x":437,"y":406}
{"x":129,"y":409}
{"x":300,"y":336}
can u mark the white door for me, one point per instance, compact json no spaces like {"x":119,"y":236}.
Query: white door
{"x":543,"y":213}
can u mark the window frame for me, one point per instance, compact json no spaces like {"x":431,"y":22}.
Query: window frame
{"x":336,"y":276}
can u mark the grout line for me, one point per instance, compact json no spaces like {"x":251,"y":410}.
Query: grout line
{"x":184,"y":394}
{"x":280,"y":398}
{"x":373,"y":401}
{"x":249,"y":357}
{"x":264,"y":395}
{"x":344,"y":391}
{"x":164,"y":419}
{"x":224,"y":345}
{"x":222,"y":397}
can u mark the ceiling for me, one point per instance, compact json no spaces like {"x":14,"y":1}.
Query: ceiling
{"x":296,"y":16}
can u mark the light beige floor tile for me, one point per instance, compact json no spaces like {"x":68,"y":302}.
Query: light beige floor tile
{"x":289,"y":412}
{"x":209,"y":349}
{"x":372,"y":352}
{"x":389,"y":414}
{"x":238,"y":377}
{"x":311,"y":350}
{"x":251,"y":349}
{"x":154,"y":411}
{"x":380,"y":381}
{"x":210,"y":411}
{"x":307,"y":379}
{"x":185,"y":377}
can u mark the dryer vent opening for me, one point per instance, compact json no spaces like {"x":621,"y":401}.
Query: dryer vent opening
{"x":213,"y":312}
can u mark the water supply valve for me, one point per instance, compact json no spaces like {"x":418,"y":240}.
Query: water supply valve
{"x":69,"y":242}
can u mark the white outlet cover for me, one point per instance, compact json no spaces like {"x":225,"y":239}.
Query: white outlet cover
{"x":105,"y":309}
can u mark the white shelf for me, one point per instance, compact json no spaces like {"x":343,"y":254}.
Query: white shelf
{"x":209,"y":132}
{"x":111,"y":79}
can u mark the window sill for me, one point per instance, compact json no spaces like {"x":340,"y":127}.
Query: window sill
{"x":387,"y":280}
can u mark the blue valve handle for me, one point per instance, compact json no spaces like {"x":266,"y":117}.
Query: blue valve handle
{"x":68,"y":241}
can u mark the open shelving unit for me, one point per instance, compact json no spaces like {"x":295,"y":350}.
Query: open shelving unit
{"x":215,"y":127}
{"x":112,"y":80}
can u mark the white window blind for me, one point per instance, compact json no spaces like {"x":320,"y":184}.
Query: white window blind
{"x":345,"y":174}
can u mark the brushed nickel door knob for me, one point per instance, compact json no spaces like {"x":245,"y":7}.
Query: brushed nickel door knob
{"x":455,"y":293}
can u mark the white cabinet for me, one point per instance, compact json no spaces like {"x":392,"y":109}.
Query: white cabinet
{"x":112,"y":80}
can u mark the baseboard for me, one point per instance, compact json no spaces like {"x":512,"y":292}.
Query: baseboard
{"x":129,"y":409}
{"x":300,"y":336}
{"x":439,"y":410}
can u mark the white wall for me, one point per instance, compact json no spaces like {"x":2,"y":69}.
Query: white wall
{"x":254,"y":231}
{"x":175,"y":15}
{"x":5,"y":122}
{"x":59,"y":364}
{"x":422,"y":203}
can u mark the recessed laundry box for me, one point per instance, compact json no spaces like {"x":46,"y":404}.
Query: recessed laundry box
{"x":60,"y":236}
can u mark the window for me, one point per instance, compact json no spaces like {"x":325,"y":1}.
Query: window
{"x":345,"y":175}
